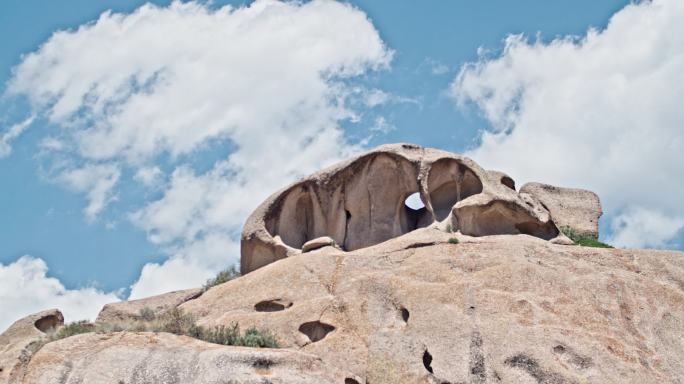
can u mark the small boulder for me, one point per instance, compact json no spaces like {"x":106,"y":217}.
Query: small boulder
{"x":319,"y":242}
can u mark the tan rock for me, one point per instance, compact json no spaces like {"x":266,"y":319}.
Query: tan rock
{"x":318,"y":243}
{"x":510,"y":309}
{"x":22,"y":339}
{"x":361,"y":202}
{"x":578,"y":209}
{"x":144,"y":357}
{"x":130,"y":310}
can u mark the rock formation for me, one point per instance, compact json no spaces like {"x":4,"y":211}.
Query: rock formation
{"x":361,"y":202}
{"x":359,"y":288}
{"x":22,"y":339}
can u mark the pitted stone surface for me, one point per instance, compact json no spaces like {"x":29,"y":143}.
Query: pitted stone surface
{"x":491,"y":309}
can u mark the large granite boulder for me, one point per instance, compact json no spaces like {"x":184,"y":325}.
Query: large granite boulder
{"x":510,"y":309}
{"x":362,"y":202}
{"x":22,"y":339}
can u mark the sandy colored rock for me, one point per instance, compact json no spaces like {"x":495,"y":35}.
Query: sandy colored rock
{"x":360,"y":202}
{"x":130,"y":310}
{"x":22,"y":339}
{"x":318,"y":243}
{"x":578,"y":209}
{"x":125,"y":357}
{"x":510,"y":309}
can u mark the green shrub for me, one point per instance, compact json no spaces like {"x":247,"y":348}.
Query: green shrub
{"x":75,"y":328}
{"x":178,"y":322}
{"x":223,"y":277}
{"x":453,"y":240}
{"x":583,"y":240}
{"x":147,"y":314}
{"x":258,"y":339}
{"x":449,"y":228}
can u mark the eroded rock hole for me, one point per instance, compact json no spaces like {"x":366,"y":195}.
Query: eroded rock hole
{"x":47,"y":323}
{"x":262,"y":363}
{"x":416,"y":213}
{"x":315,"y":330}
{"x":507,"y":181}
{"x":450,"y":182}
{"x":427,"y":361}
{"x":404,"y":314}
{"x":272,"y":305}
{"x":349,"y":380}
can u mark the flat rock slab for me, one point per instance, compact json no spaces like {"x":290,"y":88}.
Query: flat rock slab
{"x":165,"y":358}
{"x":130,"y":310}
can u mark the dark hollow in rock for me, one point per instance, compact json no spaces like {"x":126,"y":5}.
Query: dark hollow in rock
{"x":349,"y":380}
{"x":427,"y":361}
{"x":47,"y":323}
{"x":574,"y":358}
{"x":532,"y":367}
{"x":315,"y":330}
{"x":272,"y":305}
{"x":262,"y":363}
{"x":404,"y":314}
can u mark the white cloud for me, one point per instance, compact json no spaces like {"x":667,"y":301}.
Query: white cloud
{"x":638,"y":228}
{"x":96,"y":181}
{"x":168,"y":79}
{"x":12,"y":133}
{"x":149,"y":176}
{"x":601,"y":112}
{"x":162,"y":84}
{"x":188,"y":267}
{"x":25,"y":288}
{"x":268,"y":81}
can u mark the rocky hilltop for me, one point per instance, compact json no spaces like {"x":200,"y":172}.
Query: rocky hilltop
{"x":484,"y":284}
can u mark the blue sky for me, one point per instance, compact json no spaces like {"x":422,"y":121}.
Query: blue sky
{"x":100,"y":189}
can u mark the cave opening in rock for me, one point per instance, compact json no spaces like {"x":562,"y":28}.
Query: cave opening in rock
{"x":315,"y":330}
{"x":416,"y":213}
{"x":272,"y":305}
{"x":450,"y":182}
{"x":47,"y":323}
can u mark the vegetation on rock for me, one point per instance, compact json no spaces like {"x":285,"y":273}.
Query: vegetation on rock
{"x":223,"y":277}
{"x":178,"y":322}
{"x":584,"y":240}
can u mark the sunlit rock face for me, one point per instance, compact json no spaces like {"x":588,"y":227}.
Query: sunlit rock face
{"x":362,"y":202}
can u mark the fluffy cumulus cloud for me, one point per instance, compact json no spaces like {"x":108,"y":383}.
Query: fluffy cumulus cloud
{"x":602,"y":111}
{"x":270,"y":82}
{"x":25,"y":288}
{"x":96,"y":181}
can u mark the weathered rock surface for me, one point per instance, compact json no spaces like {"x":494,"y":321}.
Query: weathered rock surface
{"x":130,"y":310}
{"x":144,"y":357}
{"x":511,"y":309}
{"x":578,"y":209}
{"x":361,"y":202}
{"x":399,"y":300}
{"x":22,"y":339}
